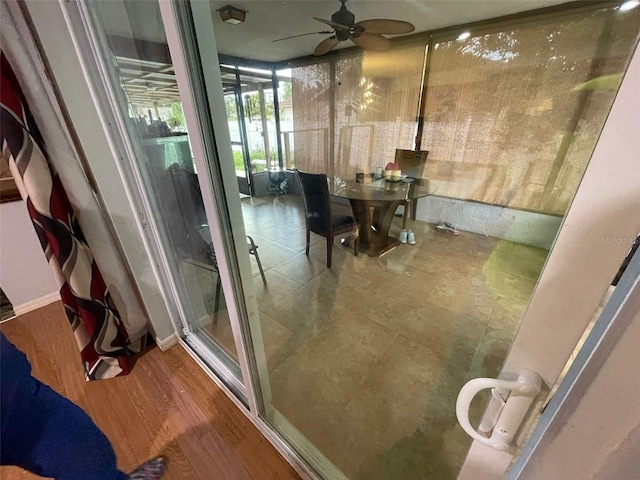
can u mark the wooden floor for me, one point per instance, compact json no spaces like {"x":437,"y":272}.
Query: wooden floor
{"x":166,"y":406}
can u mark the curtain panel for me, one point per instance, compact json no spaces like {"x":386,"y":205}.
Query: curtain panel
{"x":102,"y":338}
{"x":312,"y":101}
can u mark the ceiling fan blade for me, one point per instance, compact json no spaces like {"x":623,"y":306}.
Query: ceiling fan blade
{"x":301,"y":35}
{"x":371,"y":41}
{"x":385,"y":27}
{"x":338,"y":26}
{"x":326,"y":46}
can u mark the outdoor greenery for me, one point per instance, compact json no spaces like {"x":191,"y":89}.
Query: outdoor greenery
{"x":288,"y":90}
{"x":230,"y":106}
{"x":238,"y":160}
{"x":251,"y":105}
{"x":255,"y":155}
{"x":176,"y":118}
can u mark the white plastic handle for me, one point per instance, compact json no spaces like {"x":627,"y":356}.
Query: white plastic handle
{"x":522,"y":392}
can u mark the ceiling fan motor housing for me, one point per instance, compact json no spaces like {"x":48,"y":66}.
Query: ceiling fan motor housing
{"x":345,"y":28}
{"x":343,"y":17}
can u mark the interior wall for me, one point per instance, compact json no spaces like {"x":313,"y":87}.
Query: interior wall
{"x":25,"y":275}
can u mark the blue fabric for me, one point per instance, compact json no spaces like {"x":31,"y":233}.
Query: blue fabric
{"x":43,"y":432}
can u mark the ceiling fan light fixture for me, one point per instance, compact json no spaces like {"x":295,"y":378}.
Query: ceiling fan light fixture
{"x":232,"y":15}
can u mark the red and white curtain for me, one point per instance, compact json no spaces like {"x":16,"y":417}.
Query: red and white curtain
{"x":98,"y":328}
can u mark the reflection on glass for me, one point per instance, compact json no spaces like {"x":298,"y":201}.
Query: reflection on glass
{"x":365,"y":359}
{"x":144,"y":74}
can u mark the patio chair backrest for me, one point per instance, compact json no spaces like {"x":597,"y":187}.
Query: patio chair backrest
{"x":315,"y":195}
{"x":412,"y":162}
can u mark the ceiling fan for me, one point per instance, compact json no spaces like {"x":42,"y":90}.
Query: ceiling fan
{"x":366,"y":34}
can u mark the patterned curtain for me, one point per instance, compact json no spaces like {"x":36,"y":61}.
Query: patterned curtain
{"x":98,"y":329}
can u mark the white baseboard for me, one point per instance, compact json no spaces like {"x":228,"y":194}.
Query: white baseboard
{"x":171,"y":340}
{"x":167,"y":343}
{"x":37,"y":303}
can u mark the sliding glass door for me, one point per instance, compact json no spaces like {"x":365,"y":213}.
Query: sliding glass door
{"x":352,"y":371}
{"x":173,"y":181}
{"x":364,"y":360}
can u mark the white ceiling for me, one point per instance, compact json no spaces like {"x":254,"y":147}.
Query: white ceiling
{"x":268,"y":20}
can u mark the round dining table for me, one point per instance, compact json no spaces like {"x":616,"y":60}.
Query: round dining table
{"x":374,"y":202}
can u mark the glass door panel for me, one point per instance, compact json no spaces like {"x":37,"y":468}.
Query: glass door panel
{"x":249,"y":105}
{"x":238,"y":135}
{"x":144,"y":81}
{"x":364,"y":360}
{"x":285,"y":105}
{"x":257,"y":98}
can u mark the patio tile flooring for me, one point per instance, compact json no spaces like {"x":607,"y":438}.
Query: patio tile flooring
{"x":366,"y":358}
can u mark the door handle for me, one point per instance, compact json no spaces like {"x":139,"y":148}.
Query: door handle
{"x":509,"y":404}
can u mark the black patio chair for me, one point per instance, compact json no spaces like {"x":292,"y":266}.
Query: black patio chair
{"x":318,"y":216}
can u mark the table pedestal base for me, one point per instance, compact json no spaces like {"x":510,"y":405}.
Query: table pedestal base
{"x":372,"y":250}
{"x":373,"y":228}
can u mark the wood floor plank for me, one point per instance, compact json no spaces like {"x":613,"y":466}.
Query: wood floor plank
{"x":167,"y":405}
{"x":221,"y":411}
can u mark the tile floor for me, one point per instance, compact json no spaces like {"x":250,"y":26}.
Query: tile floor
{"x":366,"y":358}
